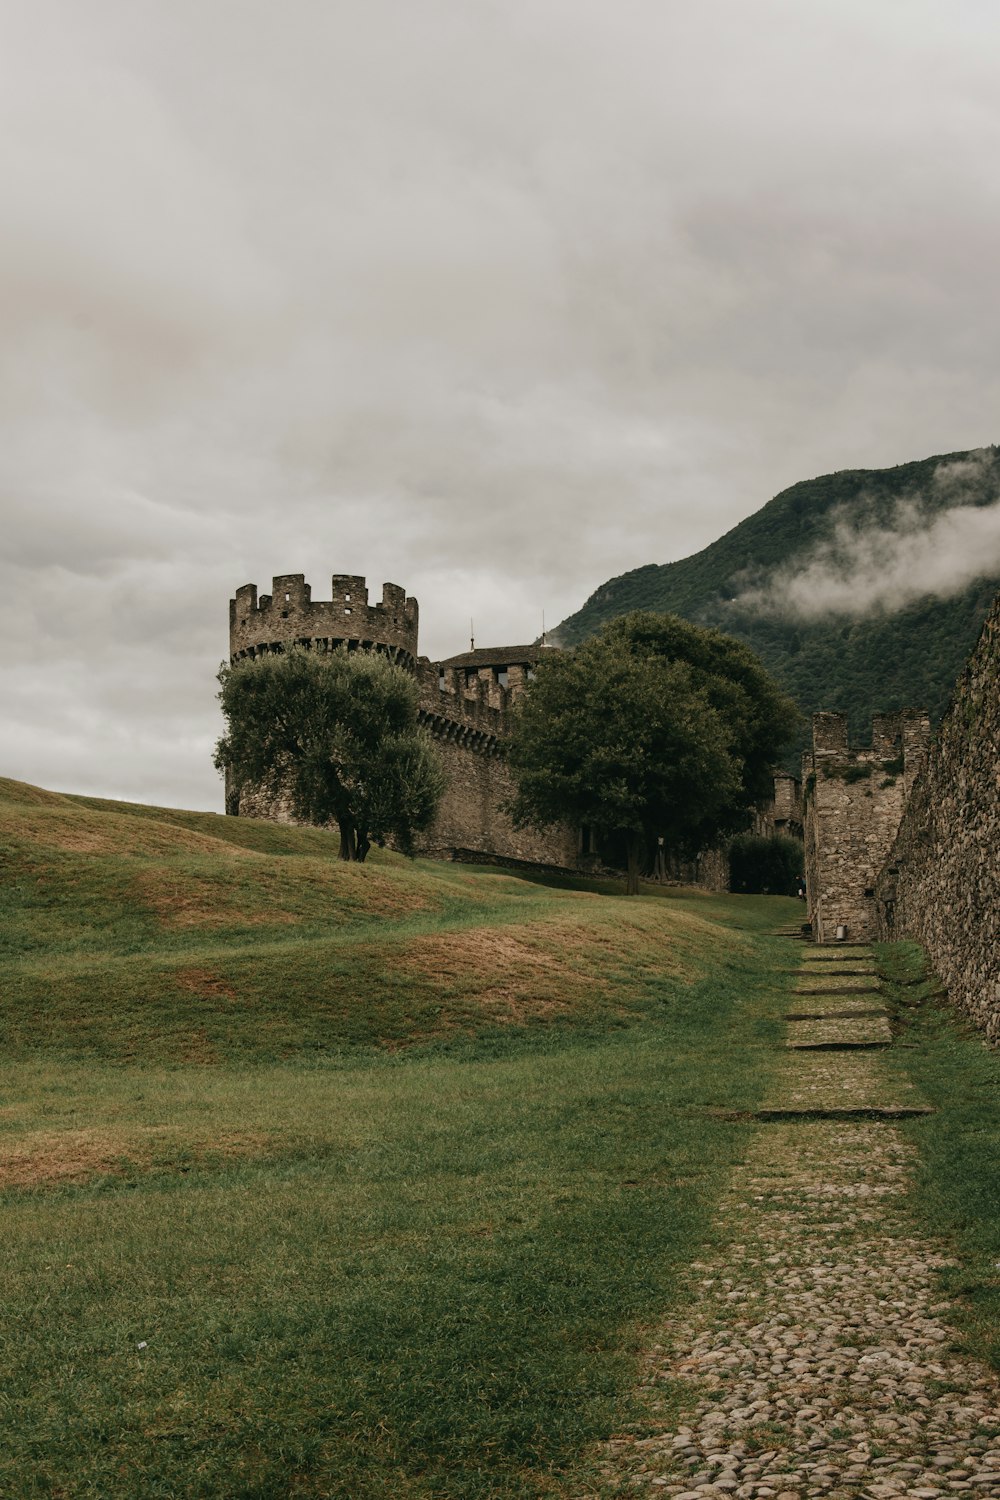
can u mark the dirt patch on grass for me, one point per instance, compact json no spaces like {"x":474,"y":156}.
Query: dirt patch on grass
{"x":51,"y":1157}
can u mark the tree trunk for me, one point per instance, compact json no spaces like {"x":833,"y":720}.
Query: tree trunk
{"x":348,"y":840}
{"x":362,"y":847}
{"x":633,"y":855}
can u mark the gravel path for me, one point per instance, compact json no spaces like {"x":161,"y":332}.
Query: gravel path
{"x":815,"y":1357}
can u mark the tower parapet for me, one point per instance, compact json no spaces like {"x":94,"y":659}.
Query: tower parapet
{"x":289,"y":615}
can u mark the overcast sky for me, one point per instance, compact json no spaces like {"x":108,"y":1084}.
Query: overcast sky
{"x":490,"y":298}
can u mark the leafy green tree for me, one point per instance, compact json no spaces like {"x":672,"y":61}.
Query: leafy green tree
{"x":336,"y":735}
{"x":654,"y":728}
{"x":760,"y":718}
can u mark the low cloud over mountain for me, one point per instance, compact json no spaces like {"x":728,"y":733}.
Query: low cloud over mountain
{"x":867,"y":567}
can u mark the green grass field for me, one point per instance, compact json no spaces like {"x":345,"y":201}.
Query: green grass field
{"x":326,"y":1180}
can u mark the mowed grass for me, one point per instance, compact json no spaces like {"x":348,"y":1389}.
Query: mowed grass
{"x":957,"y":1187}
{"x":320,"y":1180}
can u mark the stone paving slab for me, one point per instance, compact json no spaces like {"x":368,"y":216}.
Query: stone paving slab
{"x":821,"y":1081}
{"x":848,"y":1030}
{"x":837,"y":953}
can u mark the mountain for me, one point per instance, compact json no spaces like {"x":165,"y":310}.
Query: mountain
{"x":862,"y":591}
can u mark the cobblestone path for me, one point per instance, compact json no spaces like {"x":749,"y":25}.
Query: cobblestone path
{"x":821,"y":1362}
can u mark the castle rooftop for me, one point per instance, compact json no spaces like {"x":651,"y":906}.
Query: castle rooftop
{"x":498,"y":656}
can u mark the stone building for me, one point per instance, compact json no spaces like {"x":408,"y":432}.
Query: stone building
{"x":853,"y":803}
{"x":465,"y":703}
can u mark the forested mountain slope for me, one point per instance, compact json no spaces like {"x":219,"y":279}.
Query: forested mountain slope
{"x":862,"y":591}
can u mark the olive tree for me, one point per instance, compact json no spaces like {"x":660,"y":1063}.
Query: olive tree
{"x":336,"y":735}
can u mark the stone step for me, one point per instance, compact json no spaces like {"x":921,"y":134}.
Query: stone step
{"x":847,"y":1112}
{"x":822,"y":972}
{"x":836,"y":989}
{"x":836,"y":1015}
{"x":840,"y":1045}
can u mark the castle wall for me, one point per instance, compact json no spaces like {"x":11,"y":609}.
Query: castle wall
{"x":941,"y":880}
{"x":469,"y":722}
{"x":471,"y":820}
{"x":709,"y":870}
{"x":853,"y":803}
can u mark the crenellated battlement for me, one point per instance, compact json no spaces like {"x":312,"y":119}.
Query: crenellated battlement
{"x":469,"y":710}
{"x":289,"y":615}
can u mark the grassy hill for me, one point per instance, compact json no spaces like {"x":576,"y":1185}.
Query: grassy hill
{"x":352,"y":1181}
{"x":858,"y":666}
{"x":133,"y":931}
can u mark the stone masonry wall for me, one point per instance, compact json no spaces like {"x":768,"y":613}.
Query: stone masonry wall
{"x":941,"y":881}
{"x":471,"y":819}
{"x":854,"y":801}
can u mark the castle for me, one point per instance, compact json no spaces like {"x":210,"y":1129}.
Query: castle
{"x":901,"y":837}
{"x":464,"y":703}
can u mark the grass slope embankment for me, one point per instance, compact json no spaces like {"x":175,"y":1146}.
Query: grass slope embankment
{"x":345,"y":1181}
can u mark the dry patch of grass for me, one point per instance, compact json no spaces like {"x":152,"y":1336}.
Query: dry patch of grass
{"x":276,"y":892}
{"x":546,"y":968}
{"x":205,"y":983}
{"x":179,"y":898}
{"x":49,"y":1158}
